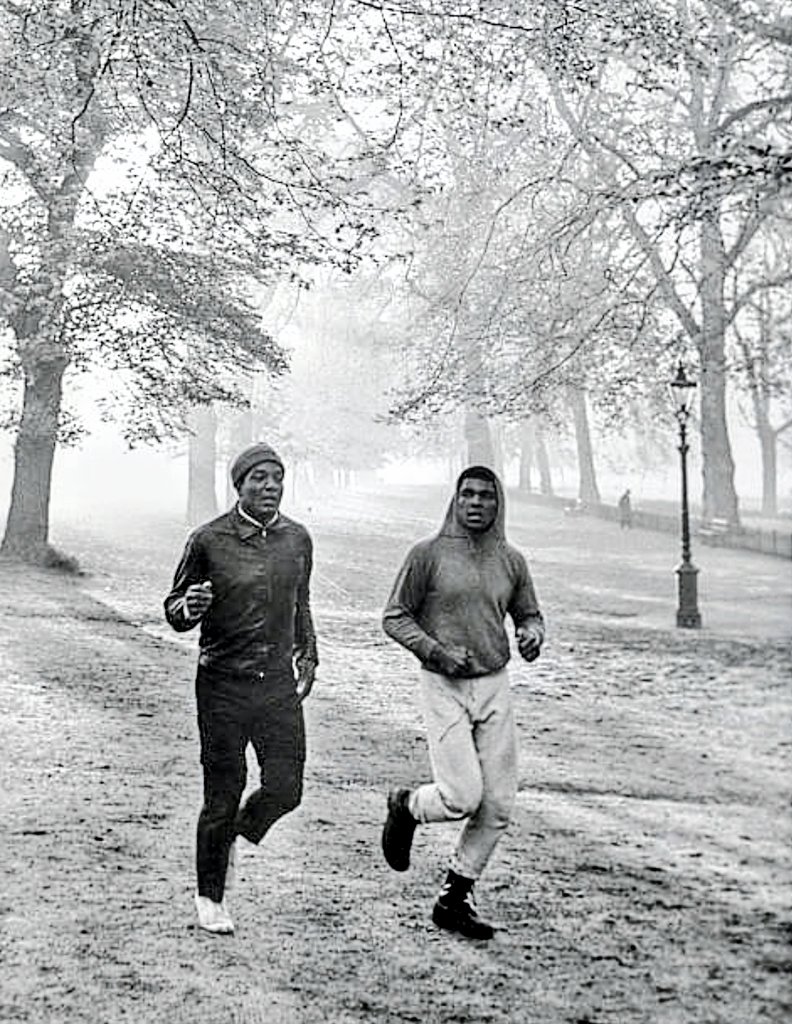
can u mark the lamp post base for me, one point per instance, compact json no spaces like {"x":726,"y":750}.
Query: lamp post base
{"x":688,"y":615}
{"x":688,"y":620}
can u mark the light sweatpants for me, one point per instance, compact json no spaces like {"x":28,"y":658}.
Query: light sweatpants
{"x":473,"y":751}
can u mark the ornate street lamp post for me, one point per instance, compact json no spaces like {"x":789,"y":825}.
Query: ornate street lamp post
{"x":688,"y":615}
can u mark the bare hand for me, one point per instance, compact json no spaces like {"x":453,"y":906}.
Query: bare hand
{"x":529,"y":642}
{"x":197,"y":599}
{"x":451,"y":660}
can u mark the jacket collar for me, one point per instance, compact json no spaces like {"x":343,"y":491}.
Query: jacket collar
{"x":246,"y":526}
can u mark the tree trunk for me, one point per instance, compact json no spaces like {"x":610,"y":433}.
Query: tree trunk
{"x":527,"y":437}
{"x":44,"y":361}
{"x":543,"y":463}
{"x":588,"y":492}
{"x":768,"y":440}
{"x":499,"y":462}
{"x":36,"y":320}
{"x":292,"y":480}
{"x":202,"y":462}
{"x":27,"y":529}
{"x":717,"y":464}
{"x":240,"y":435}
{"x":478,"y":440}
{"x":757,"y":375}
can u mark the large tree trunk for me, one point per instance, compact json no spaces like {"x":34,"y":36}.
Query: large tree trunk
{"x":202,"y":462}
{"x":240,"y":435}
{"x":533,"y":453}
{"x":27,"y":528}
{"x":588,"y":491}
{"x":36,"y":312}
{"x":478,"y":440}
{"x":705,"y":109}
{"x":717,"y":464}
{"x":44,"y":361}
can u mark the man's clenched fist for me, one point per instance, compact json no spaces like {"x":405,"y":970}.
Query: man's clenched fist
{"x":529,"y":642}
{"x":197,"y":599}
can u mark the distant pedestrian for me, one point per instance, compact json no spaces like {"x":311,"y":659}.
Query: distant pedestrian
{"x":245,"y":577}
{"x":625,"y":510}
{"x":448,"y":607}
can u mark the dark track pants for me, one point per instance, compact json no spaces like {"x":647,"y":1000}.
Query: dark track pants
{"x":228,"y":719}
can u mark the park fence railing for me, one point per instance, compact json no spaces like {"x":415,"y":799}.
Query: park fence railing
{"x":715,"y":533}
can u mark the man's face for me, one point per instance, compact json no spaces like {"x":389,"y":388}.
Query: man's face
{"x":261,"y":491}
{"x":476,"y":504}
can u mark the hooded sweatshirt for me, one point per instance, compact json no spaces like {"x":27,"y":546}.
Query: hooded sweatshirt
{"x":457,"y":587}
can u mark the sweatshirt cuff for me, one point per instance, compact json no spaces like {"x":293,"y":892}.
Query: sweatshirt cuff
{"x":536,"y":627}
{"x":186,"y":617}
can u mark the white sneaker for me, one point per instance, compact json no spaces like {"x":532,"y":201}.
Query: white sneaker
{"x":231,"y":867}
{"x":213,"y":917}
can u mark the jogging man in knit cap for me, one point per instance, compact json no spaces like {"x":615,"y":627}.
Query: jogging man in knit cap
{"x":448,"y":607}
{"x":245,"y":578}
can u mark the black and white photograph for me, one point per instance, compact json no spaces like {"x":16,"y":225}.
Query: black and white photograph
{"x":395,"y":511}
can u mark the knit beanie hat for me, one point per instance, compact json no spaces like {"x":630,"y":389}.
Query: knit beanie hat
{"x":250,"y":457}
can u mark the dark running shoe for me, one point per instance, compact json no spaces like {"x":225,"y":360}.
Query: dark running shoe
{"x":397,"y":834}
{"x":460,"y":915}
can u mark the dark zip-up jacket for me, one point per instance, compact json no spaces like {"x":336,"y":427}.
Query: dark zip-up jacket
{"x":260,"y":616}
{"x":456,"y":589}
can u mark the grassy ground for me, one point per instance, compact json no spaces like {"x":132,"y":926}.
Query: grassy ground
{"x":645,"y":878}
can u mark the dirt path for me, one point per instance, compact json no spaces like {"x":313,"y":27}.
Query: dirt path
{"x":645,"y":879}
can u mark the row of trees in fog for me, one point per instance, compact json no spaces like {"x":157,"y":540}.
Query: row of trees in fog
{"x":518,"y":213}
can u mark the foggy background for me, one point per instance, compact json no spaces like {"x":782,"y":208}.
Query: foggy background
{"x":392,"y":238}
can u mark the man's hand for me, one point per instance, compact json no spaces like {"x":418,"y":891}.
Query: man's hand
{"x":306,"y":674}
{"x":529,"y":642}
{"x":197,"y":599}
{"x":451,"y":660}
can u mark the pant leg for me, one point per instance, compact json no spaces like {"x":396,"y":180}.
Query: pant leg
{"x":278,"y":738}
{"x":495,"y":739}
{"x":223,"y":742}
{"x":457,"y":788}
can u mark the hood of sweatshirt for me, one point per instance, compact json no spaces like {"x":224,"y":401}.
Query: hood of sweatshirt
{"x":456,"y":589}
{"x":496,"y":533}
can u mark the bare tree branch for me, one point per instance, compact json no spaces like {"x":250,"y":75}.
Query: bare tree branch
{"x":773,"y":105}
{"x":779,"y":31}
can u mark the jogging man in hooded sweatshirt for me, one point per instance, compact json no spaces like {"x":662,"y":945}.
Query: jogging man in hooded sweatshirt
{"x":245,"y":577}
{"x":448,"y":607}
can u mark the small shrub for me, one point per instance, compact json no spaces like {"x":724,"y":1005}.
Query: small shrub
{"x":61,"y":562}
